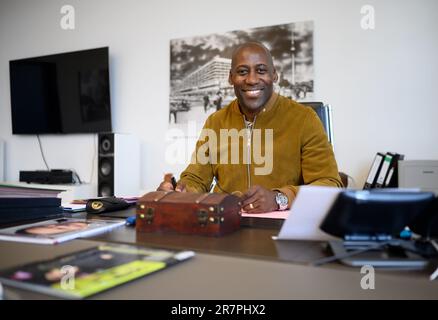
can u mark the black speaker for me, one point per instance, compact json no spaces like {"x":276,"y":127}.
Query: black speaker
{"x":118,"y":165}
{"x":105,"y":186}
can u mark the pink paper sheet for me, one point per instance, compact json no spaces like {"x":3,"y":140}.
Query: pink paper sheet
{"x":268,"y":215}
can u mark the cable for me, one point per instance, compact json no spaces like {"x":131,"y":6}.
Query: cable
{"x":78,"y":179}
{"x":215,"y":183}
{"x":42,"y":152}
{"x":354,"y":184}
{"x":220,"y":188}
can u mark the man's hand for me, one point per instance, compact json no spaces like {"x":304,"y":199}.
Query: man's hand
{"x":258,"y":199}
{"x":167,"y":184}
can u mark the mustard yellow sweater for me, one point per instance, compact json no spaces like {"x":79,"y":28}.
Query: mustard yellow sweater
{"x":300,"y":153}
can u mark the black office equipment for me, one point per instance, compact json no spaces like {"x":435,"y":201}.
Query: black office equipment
{"x":55,"y":176}
{"x":391,"y":254}
{"x":61,"y":93}
{"x":372,"y":214}
{"x":426,"y":224}
{"x":370,"y":222}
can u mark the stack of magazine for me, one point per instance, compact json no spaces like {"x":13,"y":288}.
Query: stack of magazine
{"x":19,"y":204}
{"x":58,"y":230}
{"x":82,"y":274}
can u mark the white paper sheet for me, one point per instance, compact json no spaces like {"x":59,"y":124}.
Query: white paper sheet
{"x":307,"y":212}
{"x":70,"y":207}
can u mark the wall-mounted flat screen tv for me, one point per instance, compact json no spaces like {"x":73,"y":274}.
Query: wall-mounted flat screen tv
{"x":61,"y":93}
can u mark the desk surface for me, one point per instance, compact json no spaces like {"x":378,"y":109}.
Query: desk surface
{"x":208,"y":276}
{"x":246,"y":264}
{"x":246,"y":242}
{"x":250,"y":242}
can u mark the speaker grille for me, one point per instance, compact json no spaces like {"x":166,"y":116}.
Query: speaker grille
{"x":106,"y":165}
{"x":106,"y":144}
{"x":105,"y":190}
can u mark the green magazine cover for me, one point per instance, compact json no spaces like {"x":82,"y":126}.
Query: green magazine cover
{"x":85,"y":273}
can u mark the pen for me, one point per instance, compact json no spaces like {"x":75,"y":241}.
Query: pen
{"x":130,"y":221}
{"x":173,"y":180}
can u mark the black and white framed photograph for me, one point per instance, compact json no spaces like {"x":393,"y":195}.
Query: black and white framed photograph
{"x":200,"y":65}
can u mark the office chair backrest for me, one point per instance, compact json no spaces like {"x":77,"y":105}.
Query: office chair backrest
{"x":324,"y":112}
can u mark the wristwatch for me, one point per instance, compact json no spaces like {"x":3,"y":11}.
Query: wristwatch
{"x":282,"y":201}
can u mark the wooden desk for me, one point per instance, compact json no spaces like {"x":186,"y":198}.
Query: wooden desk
{"x":246,"y":242}
{"x":214,"y":277}
{"x":246,"y":264}
{"x":250,"y":242}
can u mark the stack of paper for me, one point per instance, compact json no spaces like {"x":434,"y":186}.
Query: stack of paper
{"x":15,"y":191}
{"x":20,"y":204}
{"x":71,"y":207}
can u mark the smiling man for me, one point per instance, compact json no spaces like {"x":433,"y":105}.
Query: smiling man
{"x":280,"y":143}
{"x":253,"y":75}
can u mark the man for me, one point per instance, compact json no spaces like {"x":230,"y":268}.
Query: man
{"x":206,"y":102}
{"x":292,"y":140}
{"x":218,"y":100}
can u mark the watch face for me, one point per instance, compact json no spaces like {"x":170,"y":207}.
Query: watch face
{"x":282,"y":201}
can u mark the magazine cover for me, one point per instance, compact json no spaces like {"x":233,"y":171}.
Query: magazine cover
{"x":57,"y":230}
{"x":91,"y":271}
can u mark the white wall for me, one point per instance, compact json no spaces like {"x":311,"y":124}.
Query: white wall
{"x":381,"y":83}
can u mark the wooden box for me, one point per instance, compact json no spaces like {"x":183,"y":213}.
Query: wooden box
{"x":209,"y":214}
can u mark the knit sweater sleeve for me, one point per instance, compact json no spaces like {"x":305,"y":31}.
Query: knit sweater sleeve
{"x":318,"y":164}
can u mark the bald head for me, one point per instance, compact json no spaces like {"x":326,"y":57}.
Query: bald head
{"x":252,"y":75}
{"x":252,"y":45}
